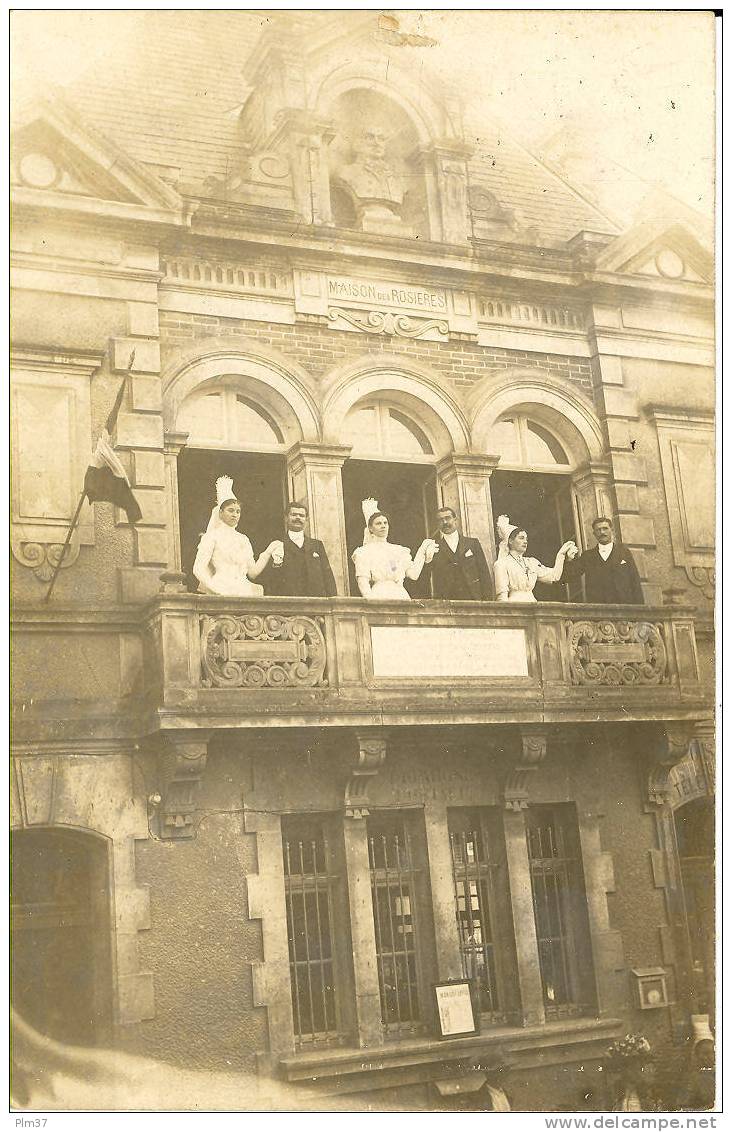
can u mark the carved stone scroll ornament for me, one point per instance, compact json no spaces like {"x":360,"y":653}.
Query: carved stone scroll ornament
{"x":181,"y":763}
{"x":672,"y":746}
{"x":617,"y":653}
{"x":705,"y":577}
{"x":269,"y":651}
{"x":386,"y":322}
{"x":367,"y":761}
{"x":43,"y":558}
{"x":532,"y":755}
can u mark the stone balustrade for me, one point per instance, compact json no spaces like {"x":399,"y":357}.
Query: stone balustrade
{"x":216,"y":662}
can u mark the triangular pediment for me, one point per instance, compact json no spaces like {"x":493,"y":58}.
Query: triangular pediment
{"x":659,"y":250}
{"x":52,"y":151}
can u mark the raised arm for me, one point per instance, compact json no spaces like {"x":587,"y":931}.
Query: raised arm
{"x":548,"y":574}
{"x":424,"y":555}
{"x":263,"y":561}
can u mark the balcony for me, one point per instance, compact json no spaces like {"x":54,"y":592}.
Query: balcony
{"x":217,"y":663}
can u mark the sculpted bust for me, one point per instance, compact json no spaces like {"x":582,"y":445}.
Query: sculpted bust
{"x":369,"y":175}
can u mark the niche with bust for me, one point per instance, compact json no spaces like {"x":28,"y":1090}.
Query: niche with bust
{"x":373,"y":184}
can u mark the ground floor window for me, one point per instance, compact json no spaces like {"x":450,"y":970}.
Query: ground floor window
{"x":480,"y":893}
{"x":560,"y":909}
{"x":385,"y":873}
{"x":694,"y":826}
{"x":310,"y":885}
{"x":395,"y":885}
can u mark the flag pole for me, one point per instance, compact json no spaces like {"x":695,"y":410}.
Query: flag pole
{"x":111,"y":421}
{"x":65,"y":547}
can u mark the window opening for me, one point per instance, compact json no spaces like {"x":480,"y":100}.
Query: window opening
{"x":309,"y":886}
{"x":393,"y":887}
{"x":379,"y":430}
{"x":474,"y":871}
{"x":559,"y":908}
{"x":521,"y":442}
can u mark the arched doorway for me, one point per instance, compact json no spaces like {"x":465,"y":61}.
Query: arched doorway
{"x":694,"y":829}
{"x":393,"y":460}
{"x":533,"y":486}
{"x":229,"y":433}
{"x":60,"y":927}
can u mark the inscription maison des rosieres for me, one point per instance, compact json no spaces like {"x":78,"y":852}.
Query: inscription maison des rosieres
{"x":375,"y":292}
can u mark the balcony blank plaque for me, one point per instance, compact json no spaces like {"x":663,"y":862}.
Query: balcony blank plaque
{"x":414,"y":651}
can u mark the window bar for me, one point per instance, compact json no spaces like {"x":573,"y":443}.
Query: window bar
{"x":377,"y":917}
{"x":291,"y":925}
{"x":316,"y":878}
{"x":407,"y":937}
{"x":306,"y":927}
{"x":394,"y":949}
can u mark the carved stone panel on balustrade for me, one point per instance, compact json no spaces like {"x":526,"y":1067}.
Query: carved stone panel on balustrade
{"x":617,"y":653}
{"x":270,"y":651}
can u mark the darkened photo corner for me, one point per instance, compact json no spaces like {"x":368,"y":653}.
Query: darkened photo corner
{"x":363,"y":570}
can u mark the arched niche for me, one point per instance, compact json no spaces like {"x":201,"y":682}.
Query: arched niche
{"x":374,"y":185}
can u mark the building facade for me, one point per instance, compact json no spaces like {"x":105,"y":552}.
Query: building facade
{"x":257,"y":833}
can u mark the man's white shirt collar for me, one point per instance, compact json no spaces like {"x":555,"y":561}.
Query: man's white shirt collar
{"x":452,"y":540}
{"x":298,"y":537}
{"x":605,"y":551}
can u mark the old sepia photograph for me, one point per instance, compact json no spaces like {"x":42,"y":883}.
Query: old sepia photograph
{"x":362,"y":428}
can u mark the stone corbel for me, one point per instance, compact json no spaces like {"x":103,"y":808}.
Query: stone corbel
{"x":181,"y":763}
{"x":672,"y":746}
{"x":367,"y":761}
{"x":532,"y":755}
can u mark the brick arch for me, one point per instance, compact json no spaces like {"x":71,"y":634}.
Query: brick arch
{"x":96,"y":796}
{"x":416,"y":391}
{"x":549,"y":401}
{"x":281,"y":387}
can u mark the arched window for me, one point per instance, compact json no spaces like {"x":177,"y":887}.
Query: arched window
{"x":522,"y":443}
{"x":379,"y":430}
{"x":224,"y":418}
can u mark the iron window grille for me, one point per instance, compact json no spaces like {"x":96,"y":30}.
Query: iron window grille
{"x":559,"y":909}
{"x":310,"y":883}
{"x":474,"y":871}
{"x":394,"y":882}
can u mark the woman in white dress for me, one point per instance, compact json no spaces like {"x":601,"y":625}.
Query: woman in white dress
{"x":225,"y":562}
{"x":515,"y":575}
{"x":382,"y":566}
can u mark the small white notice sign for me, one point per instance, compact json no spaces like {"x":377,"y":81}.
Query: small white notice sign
{"x":455,"y":1009}
{"x":406,"y":651}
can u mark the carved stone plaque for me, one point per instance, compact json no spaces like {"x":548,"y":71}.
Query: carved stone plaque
{"x":617,"y":652}
{"x":411,"y":651}
{"x":256,"y":651}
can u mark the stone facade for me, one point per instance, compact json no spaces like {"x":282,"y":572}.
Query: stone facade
{"x":292,"y":283}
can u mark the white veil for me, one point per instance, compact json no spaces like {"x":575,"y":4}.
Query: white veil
{"x":224,"y":492}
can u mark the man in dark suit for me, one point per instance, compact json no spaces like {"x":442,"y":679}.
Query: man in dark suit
{"x":611,"y":575}
{"x":304,"y":569}
{"x":459,"y":570}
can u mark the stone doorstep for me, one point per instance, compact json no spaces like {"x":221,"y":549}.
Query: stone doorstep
{"x":430,"y":1053}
